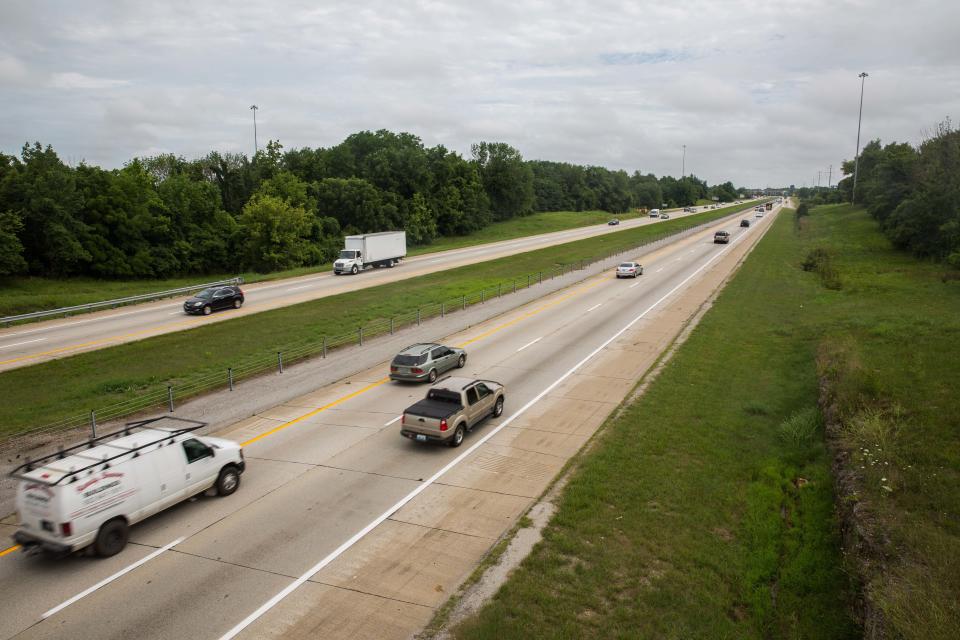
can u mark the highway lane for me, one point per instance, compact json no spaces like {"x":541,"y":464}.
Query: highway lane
{"x":33,"y":343}
{"x":312,"y":484}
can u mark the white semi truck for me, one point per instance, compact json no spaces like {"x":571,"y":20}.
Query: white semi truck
{"x":383,"y":249}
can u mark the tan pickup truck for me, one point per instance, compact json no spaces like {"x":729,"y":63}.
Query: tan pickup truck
{"x":452,"y":407}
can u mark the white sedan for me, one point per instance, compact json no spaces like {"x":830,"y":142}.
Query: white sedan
{"x":629,"y":270}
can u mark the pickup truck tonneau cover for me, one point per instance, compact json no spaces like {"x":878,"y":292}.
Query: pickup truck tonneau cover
{"x":436,"y":409}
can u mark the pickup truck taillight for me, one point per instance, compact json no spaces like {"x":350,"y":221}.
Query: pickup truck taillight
{"x":443,"y":425}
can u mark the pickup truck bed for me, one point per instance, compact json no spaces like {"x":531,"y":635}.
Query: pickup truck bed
{"x":436,"y":409}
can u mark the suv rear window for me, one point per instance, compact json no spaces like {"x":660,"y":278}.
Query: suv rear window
{"x":409,"y":361}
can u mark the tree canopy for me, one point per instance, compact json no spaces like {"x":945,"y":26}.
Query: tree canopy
{"x":163,"y":215}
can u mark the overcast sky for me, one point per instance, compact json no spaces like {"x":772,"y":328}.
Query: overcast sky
{"x":762,"y":93}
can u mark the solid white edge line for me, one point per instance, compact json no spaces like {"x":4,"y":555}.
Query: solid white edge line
{"x":302,"y":286}
{"x":333,"y":555}
{"x":106,"y":581}
{"x":593,"y":307}
{"x":17,"y":344}
{"x":387,"y":424}
{"x":530,"y":344}
{"x":633,"y":285}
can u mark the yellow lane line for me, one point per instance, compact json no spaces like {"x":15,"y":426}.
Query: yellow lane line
{"x":101,"y":341}
{"x":315,"y":411}
{"x":10,"y":550}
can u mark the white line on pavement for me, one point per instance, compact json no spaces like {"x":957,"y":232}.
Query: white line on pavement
{"x":659,"y":270}
{"x":594,"y":307}
{"x":387,"y":424}
{"x":17,"y":344}
{"x":107,"y":581}
{"x":336,"y":553}
{"x":633,"y":285}
{"x":76,"y":322}
{"x":303,"y":286}
{"x":533,"y":342}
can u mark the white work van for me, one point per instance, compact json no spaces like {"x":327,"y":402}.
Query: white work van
{"x":654,"y":213}
{"x":88,"y":495}
{"x":383,"y":249}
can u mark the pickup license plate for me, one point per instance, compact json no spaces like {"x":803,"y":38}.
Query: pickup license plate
{"x":421,"y":437}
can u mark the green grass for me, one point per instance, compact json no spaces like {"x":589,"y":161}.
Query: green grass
{"x":705,"y":510}
{"x":26,"y":294}
{"x":48,"y":392}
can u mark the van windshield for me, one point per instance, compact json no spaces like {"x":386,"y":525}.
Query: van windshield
{"x":348,"y":255}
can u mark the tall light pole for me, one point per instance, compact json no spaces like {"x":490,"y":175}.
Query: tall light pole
{"x":254,"y":108}
{"x":683,"y":165}
{"x":856,"y":164}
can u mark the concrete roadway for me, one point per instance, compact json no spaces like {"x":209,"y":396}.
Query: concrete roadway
{"x":344,"y":529}
{"x":33,"y":343}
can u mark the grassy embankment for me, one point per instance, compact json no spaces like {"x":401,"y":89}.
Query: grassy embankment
{"x":26,"y":294}
{"x":47,"y":392}
{"x":706,"y":509}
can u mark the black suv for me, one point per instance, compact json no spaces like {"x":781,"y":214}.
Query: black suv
{"x":214,"y":299}
{"x":744,"y":223}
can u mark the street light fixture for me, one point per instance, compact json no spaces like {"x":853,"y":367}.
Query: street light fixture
{"x":856,"y":164}
{"x":254,"y":108}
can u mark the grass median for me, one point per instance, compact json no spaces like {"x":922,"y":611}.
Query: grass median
{"x":705,"y":510}
{"x":45,"y":393}
{"x":26,"y":294}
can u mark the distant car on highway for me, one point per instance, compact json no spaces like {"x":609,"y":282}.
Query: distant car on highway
{"x":420,"y":362}
{"x":721,"y":237}
{"x":664,"y":216}
{"x":745,"y":223}
{"x":629,"y":270}
{"x":614,"y":222}
{"x":214,"y":299}
{"x":452,"y":407}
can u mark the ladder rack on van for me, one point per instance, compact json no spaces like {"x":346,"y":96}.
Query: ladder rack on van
{"x":21,"y":471}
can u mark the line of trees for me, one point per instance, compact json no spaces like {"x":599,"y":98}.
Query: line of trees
{"x":913,"y":192}
{"x":163,"y":215}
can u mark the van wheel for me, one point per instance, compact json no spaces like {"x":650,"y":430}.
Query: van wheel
{"x":433,"y":375}
{"x":354,"y":270}
{"x":498,"y":408}
{"x":112,"y":538}
{"x":457,"y":439}
{"x":228,"y":481}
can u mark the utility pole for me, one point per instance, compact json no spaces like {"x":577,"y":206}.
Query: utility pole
{"x":818,"y":179}
{"x":830,"y":178}
{"x":683,"y":166}
{"x":856,"y":164}
{"x":254,"y":108}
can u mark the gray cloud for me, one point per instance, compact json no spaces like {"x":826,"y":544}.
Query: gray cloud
{"x":761,"y":93}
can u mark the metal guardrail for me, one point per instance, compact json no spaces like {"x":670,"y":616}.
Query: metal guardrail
{"x":294,"y":352}
{"x":119,"y":302}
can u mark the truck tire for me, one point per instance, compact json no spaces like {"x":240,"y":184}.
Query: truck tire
{"x":432,"y":376}
{"x":112,"y":537}
{"x":354,"y":270}
{"x":498,"y":408}
{"x":228,"y":480}
{"x":457,"y":438}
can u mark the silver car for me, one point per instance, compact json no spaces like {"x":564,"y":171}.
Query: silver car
{"x":629,"y":270}
{"x":425,"y":361}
